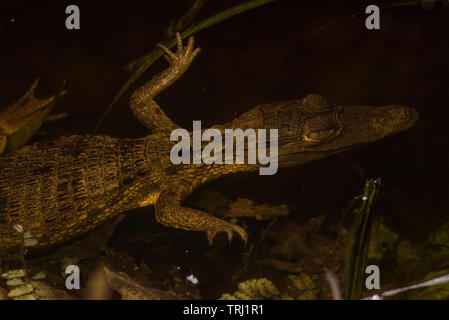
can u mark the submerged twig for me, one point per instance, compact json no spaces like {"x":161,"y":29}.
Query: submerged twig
{"x":186,"y":19}
{"x":334,"y":285}
{"x":175,"y":26}
{"x":336,"y":290}
{"x":428,"y":283}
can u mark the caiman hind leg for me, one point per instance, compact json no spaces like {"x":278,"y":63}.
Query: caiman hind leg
{"x":17,"y":115}
{"x":142,"y":101}
{"x":169,"y":212}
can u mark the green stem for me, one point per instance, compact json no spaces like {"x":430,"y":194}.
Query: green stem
{"x":360,"y":238}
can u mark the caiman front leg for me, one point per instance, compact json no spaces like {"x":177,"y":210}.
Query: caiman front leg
{"x":17,"y":115}
{"x":168,"y":208}
{"x":169,"y":212}
{"x":142,"y":101}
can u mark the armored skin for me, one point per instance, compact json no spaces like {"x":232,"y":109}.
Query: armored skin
{"x":55,"y":190}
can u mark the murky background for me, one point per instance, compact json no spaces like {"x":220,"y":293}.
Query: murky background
{"x":263,"y":55}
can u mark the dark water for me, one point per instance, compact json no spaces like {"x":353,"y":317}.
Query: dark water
{"x":264,"y":55}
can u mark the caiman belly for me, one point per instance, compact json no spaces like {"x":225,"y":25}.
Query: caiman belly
{"x":61,"y":188}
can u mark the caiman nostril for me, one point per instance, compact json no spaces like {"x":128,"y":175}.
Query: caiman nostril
{"x":402,"y":117}
{"x":407,"y":111}
{"x":410,"y":113}
{"x":404,"y":113}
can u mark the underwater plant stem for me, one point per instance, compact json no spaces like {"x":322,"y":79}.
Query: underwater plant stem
{"x":360,"y":237}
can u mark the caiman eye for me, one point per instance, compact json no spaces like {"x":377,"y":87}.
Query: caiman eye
{"x":318,"y":135}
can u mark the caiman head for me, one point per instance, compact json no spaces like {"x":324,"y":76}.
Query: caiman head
{"x":314,"y":128}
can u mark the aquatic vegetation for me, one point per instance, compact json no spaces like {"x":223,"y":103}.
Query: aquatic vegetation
{"x":22,"y":289}
{"x":382,"y":240}
{"x":359,"y":239}
{"x":301,"y":287}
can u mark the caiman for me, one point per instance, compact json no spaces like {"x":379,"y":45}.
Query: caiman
{"x":55,"y":190}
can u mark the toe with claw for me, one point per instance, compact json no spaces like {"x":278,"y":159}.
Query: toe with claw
{"x":183,"y":57}
{"x":229,"y":229}
{"x":17,"y":115}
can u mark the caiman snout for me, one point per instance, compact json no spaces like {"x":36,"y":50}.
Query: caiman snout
{"x":361,"y":124}
{"x":399,"y":117}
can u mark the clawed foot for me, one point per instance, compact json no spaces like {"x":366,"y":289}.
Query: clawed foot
{"x":17,"y":115}
{"x":183,"y":57}
{"x":229,"y":228}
